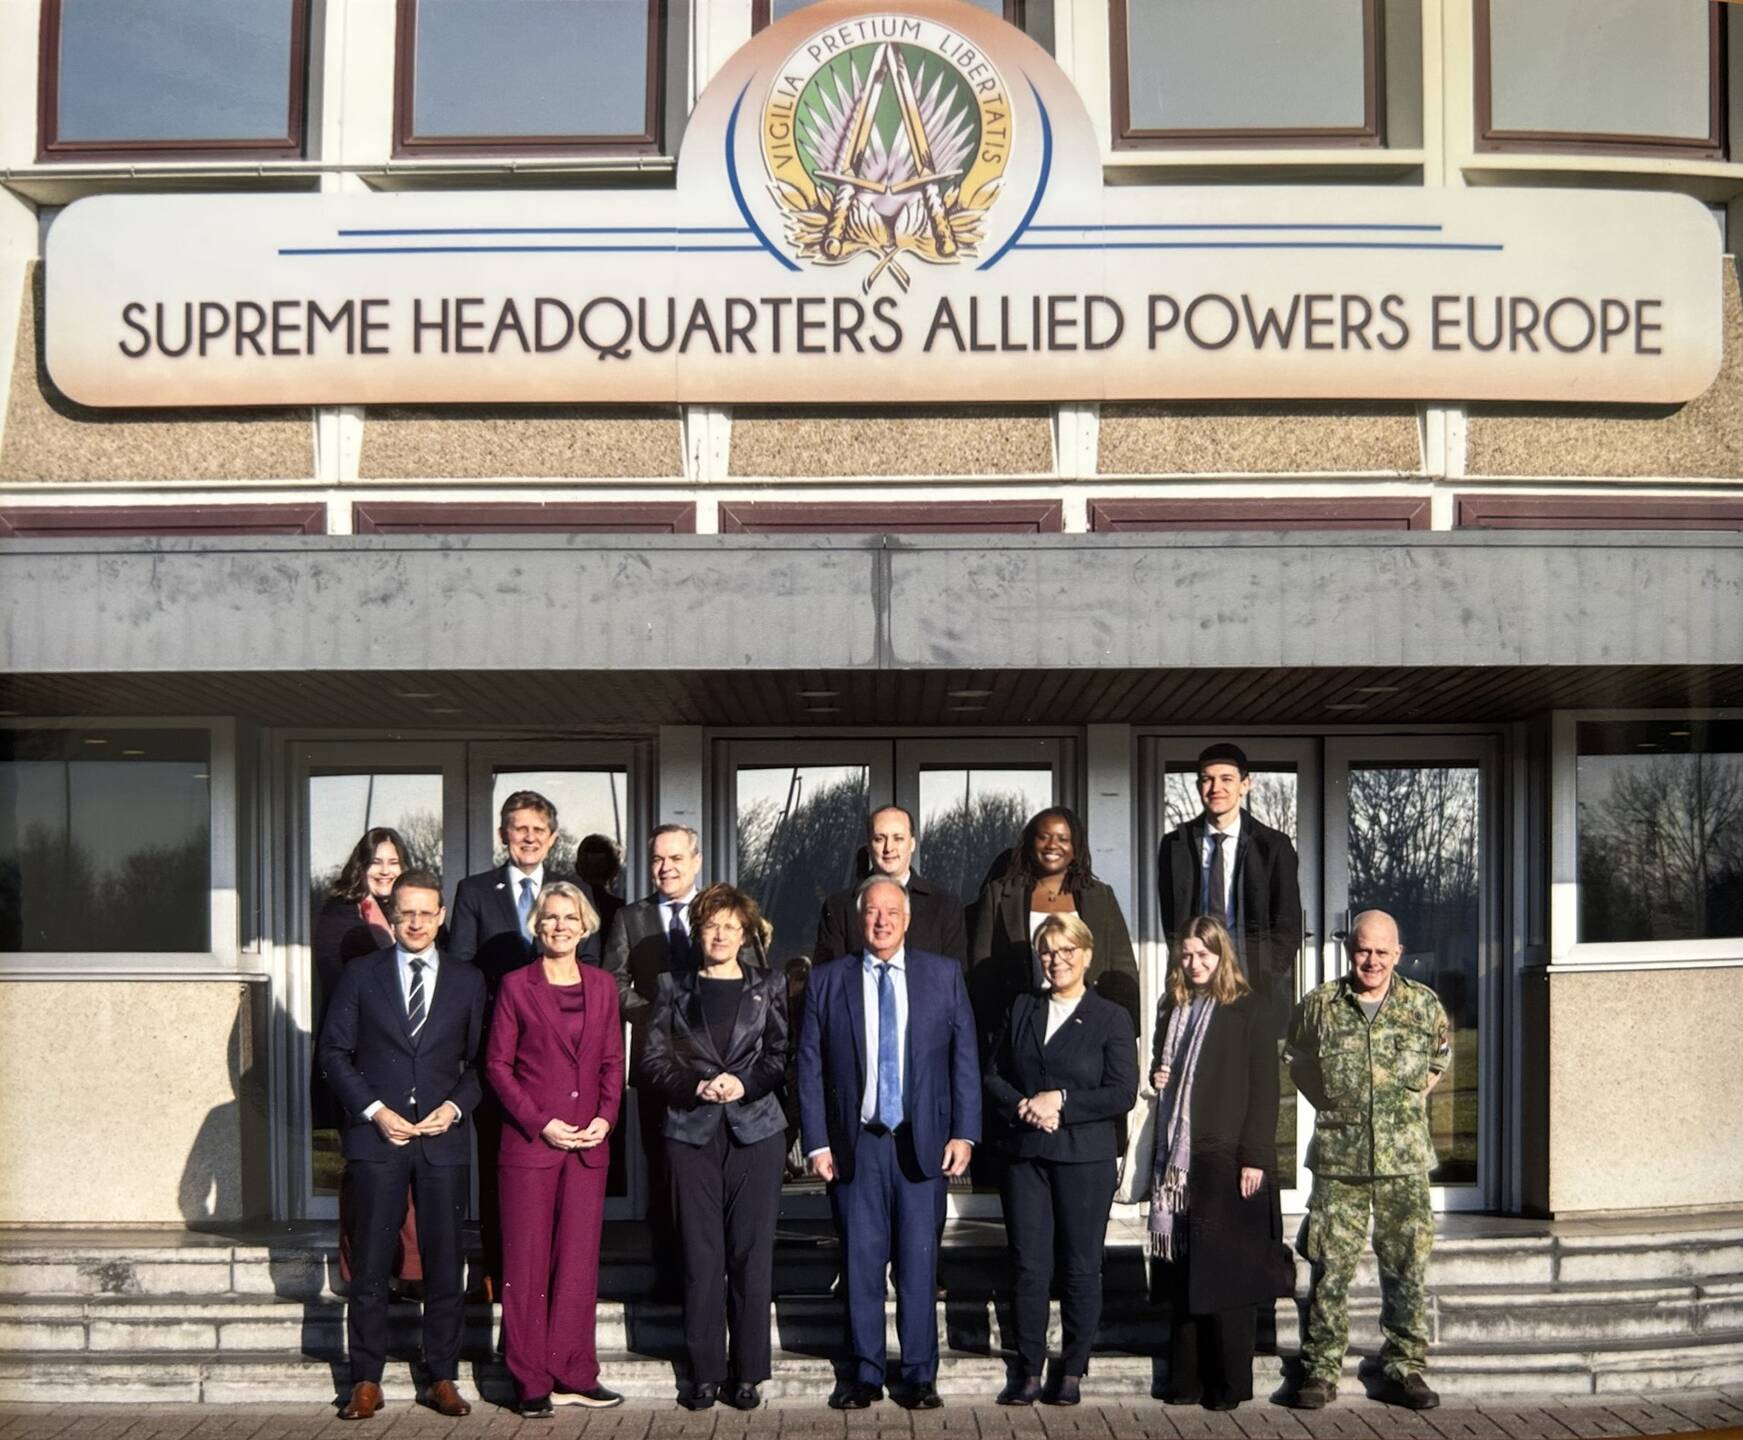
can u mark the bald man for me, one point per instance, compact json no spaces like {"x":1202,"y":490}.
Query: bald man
{"x":1366,"y":1050}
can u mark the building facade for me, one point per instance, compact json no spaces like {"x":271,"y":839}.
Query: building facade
{"x":1486,"y":654}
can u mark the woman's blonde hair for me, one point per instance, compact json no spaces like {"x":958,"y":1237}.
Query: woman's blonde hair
{"x":563,"y":890}
{"x":1069,"y":928}
{"x":1226,"y":981}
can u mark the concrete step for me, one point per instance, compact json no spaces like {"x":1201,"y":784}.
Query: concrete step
{"x":1536,"y":1322}
{"x":254,"y":1378}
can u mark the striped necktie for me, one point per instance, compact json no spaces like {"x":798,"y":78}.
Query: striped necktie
{"x":414,"y":1001}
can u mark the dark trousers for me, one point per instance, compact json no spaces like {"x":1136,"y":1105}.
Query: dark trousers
{"x":550,"y":1274}
{"x":650,"y":1112}
{"x":1056,"y":1217}
{"x":726,"y":1197}
{"x":1208,"y":1355}
{"x":889,"y":1206}
{"x":406,"y":1266}
{"x":378,"y":1208}
{"x":487,"y":1126}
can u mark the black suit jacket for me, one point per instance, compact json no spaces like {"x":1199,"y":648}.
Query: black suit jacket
{"x":484,"y":923}
{"x":1093,"y":1057}
{"x":934,"y":923}
{"x":1003,"y":959}
{"x":1267,"y":896}
{"x":367,"y":1053}
{"x":679,"y":1053}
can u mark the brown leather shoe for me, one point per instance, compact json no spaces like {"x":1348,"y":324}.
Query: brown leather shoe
{"x":445,"y":1399}
{"x":365,"y":1401}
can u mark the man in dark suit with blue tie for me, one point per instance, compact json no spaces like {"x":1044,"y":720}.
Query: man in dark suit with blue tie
{"x":399,"y":1048}
{"x":889,"y":1100}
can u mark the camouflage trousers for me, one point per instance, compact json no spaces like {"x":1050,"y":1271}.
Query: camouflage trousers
{"x":1332,"y":1238}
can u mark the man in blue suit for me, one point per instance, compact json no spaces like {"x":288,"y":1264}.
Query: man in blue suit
{"x":889,"y":1104}
{"x":400,"y":1050}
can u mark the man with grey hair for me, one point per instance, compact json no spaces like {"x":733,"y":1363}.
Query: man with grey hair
{"x":889,"y":1101}
{"x":648,"y":938}
{"x":1366,"y":1049}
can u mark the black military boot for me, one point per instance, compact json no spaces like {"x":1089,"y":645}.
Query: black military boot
{"x":1411,"y":1392}
{"x":1313,"y":1394}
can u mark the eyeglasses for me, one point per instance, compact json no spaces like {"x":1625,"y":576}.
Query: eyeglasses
{"x":416,"y":917}
{"x":723,"y":927}
{"x":1067,"y":953}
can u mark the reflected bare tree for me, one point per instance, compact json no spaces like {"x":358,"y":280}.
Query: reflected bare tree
{"x":54,"y":897}
{"x":1271,"y":801}
{"x":958,"y":844}
{"x":1661,"y":853}
{"x":791,"y":856}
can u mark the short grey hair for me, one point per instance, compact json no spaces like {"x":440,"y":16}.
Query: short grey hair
{"x":684,"y":830}
{"x":870,"y":883}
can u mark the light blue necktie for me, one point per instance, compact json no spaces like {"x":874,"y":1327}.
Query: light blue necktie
{"x":889,"y":1052}
{"x":527,"y":898}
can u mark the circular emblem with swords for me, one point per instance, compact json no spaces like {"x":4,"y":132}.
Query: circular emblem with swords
{"x":877,"y":159}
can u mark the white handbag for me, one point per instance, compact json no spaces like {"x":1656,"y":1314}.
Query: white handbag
{"x":1139,"y":1164}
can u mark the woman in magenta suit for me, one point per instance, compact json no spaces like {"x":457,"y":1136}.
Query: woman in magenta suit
{"x":555,"y":1061}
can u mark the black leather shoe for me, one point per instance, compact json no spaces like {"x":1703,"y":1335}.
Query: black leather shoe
{"x":743,"y":1396}
{"x":1065,"y":1390}
{"x":598,"y":1398}
{"x":701,"y":1395}
{"x":1222,"y":1404}
{"x":918,"y":1397}
{"x":536,"y":1407}
{"x":855,"y":1395}
{"x":1411,"y":1392}
{"x":1023,"y":1391}
{"x":1181,"y":1397}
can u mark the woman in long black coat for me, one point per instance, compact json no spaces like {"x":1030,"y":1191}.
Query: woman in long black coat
{"x":1216,"y":1229}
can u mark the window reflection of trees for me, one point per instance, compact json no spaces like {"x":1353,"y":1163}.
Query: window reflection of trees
{"x":957,"y":845}
{"x":794,"y":853}
{"x":1271,"y":801}
{"x":1660,"y":847}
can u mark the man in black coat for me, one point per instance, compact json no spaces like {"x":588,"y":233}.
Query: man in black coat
{"x":399,"y":1049}
{"x":936,"y":926}
{"x":1226,"y":864}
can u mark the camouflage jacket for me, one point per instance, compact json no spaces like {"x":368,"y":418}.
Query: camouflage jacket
{"x":1368,"y":1081}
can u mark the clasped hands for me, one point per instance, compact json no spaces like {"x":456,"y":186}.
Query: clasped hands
{"x":723,"y":1089}
{"x":1042,"y":1110}
{"x":562,"y":1136}
{"x":397,"y":1130}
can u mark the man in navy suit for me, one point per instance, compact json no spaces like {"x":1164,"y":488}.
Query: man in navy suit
{"x":889,"y":1102}
{"x":399,"y":1049}
{"x":492,"y":929}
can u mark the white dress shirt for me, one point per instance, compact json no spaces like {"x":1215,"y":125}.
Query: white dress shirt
{"x":898,"y":963}
{"x":1231,"y":839}
{"x":402,"y":962}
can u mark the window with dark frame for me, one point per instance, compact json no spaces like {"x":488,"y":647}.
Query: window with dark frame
{"x":1634,"y":78}
{"x":1308,"y":75}
{"x":519,"y":77}
{"x":172,"y":79}
{"x":766,"y":12}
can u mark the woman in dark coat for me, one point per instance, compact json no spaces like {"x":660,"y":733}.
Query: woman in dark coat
{"x":1215,"y":1223}
{"x":353,"y":922}
{"x":1064,"y":1075}
{"x":1049,"y":874}
{"x":716,"y":1056}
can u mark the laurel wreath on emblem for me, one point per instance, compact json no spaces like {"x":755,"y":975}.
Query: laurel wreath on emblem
{"x":887,"y":149}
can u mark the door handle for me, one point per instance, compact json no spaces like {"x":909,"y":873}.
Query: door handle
{"x":1340,"y":935}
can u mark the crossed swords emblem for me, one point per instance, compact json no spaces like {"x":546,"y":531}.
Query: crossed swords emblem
{"x":889,"y":65}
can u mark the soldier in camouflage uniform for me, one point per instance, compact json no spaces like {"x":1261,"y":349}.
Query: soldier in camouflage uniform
{"x":1365,"y":1050}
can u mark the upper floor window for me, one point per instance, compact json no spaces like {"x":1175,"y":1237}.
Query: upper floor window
{"x":1033,"y":17}
{"x":516,"y":76}
{"x":1615,"y":76}
{"x":176,"y":79}
{"x":1245,"y":72}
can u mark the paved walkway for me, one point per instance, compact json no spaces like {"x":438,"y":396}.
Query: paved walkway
{"x":1598,"y":1419}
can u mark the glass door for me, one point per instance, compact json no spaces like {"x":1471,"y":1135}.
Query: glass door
{"x":1409,"y":830}
{"x":1285,"y":796}
{"x":340,"y":789}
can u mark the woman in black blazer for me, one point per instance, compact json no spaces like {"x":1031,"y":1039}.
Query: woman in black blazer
{"x":1049,"y":874}
{"x":1218,"y":1253}
{"x":1064,"y":1074}
{"x":716,"y":1054}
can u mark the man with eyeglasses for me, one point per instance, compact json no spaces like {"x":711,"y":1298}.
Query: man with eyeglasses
{"x":400,"y":1050}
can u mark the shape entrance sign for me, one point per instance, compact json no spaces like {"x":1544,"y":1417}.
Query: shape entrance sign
{"x":882,"y":203}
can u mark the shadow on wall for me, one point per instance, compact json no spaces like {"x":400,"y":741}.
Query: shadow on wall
{"x":224,"y":1179}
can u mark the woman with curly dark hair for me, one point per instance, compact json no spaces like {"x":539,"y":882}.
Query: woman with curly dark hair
{"x":1049,"y":874}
